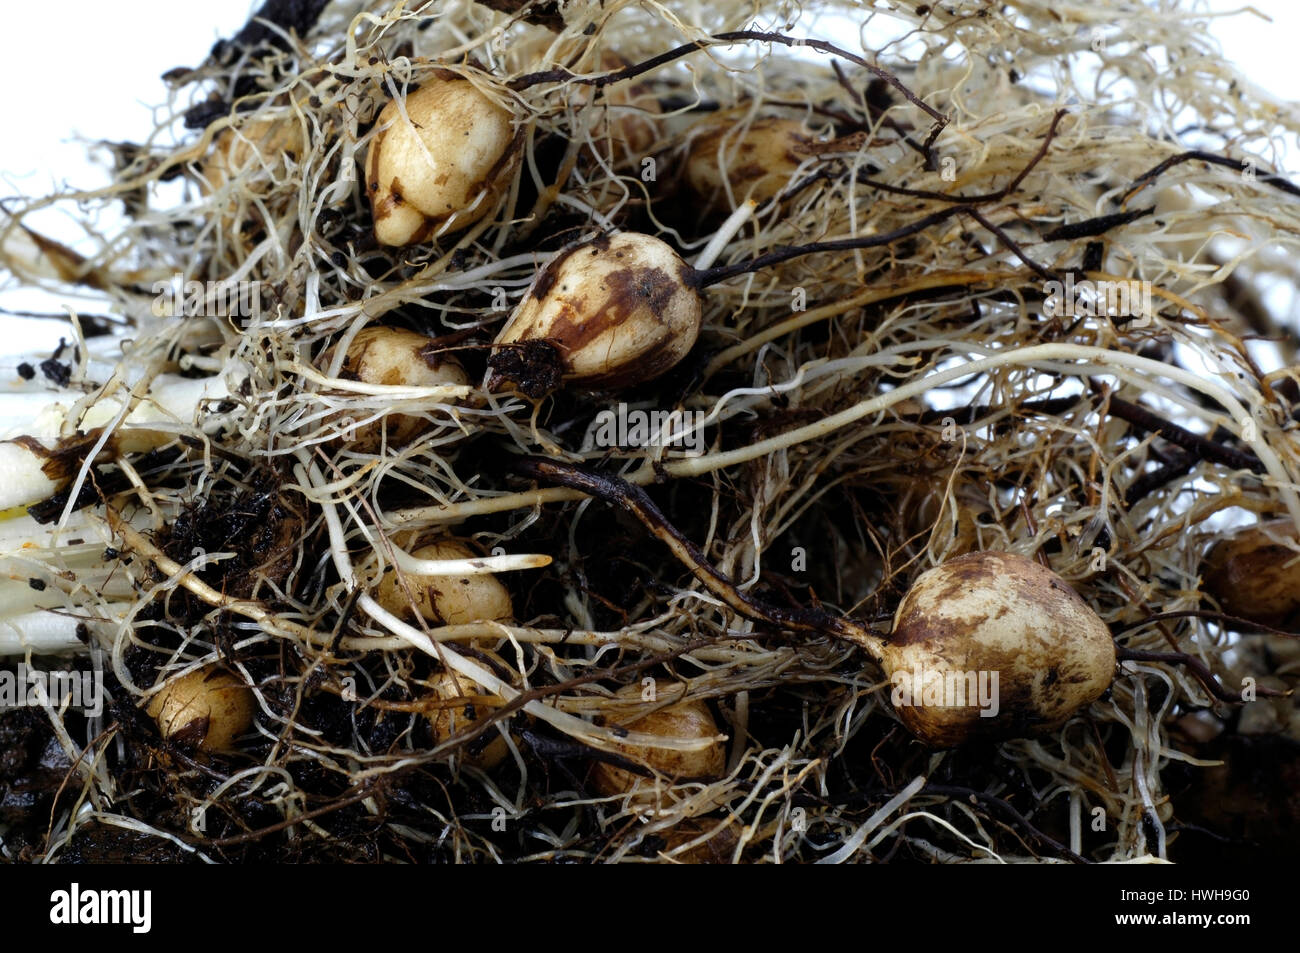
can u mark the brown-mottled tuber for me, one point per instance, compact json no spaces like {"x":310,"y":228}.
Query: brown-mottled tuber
{"x":992,"y":645}
{"x":621,"y":310}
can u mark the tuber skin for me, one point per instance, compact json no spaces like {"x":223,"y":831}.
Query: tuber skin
{"x":258,"y":144}
{"x":445,"y":168}
{"x":446,"y":600}
{"x":689,"y":719}
{"x":446,"y":721}
{"x":621,"y":310}
{"x":759,"y":161}
{"x":394,"y":356}
{"x":1254,"y":575}
{"x":994,"y":612}
{"x":206,"y":709}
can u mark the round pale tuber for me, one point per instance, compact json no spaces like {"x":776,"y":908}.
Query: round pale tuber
{"x":992,"y":645}
{"x":394,"y":356}
{"x":205,"y":709}
{"x":441,"y":166}
{"x":687,"y":720}
{"x":445,"y":600}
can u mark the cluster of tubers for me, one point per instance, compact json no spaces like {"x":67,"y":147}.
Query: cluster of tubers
{"x":563,"y":279}
{"x":623,"y":309}
{"x":452,"y":599}
{"x":986,"y":619}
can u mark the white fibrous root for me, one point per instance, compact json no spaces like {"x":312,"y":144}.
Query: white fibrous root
{"x":264,"y":142}
{"x":627,"y":120}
